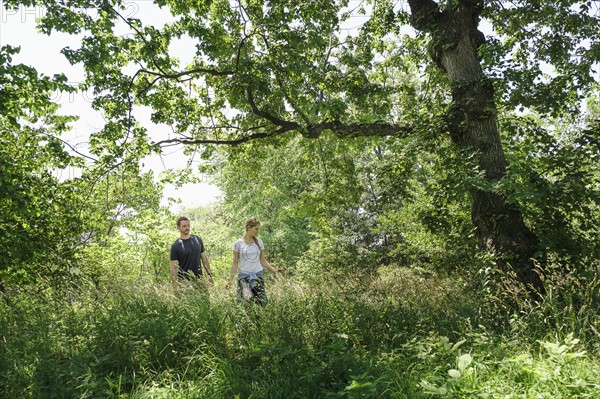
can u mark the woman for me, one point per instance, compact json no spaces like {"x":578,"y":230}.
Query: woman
{"x":248,"y":262}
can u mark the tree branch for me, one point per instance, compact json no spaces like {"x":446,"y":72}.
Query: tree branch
{"x":271,"y":118}
{"x":234,"y":142}
{"x":341,"y":130}
{"x":73,"y":149}
{"x":176,"y":75}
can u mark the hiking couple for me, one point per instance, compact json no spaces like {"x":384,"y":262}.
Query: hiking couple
{"x":188,"y":252}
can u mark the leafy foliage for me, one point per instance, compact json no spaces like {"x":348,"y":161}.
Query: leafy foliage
{"x":355,"y":202}
{"x":46,"y":217}
{"x":544,"y":54}
{"x":557,"y":183}
{"x":256,"y":70}
{"x":37,"y":227}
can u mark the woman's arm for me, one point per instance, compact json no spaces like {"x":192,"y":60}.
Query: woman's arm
{"x":233,"y":271}
{"x":264,"y":263}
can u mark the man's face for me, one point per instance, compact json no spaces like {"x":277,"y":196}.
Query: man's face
{"x":184,"y":227}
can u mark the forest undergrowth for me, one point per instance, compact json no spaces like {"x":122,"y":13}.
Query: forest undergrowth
{"x":393,"y":334}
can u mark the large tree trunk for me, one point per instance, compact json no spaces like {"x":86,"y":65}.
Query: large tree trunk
{"x":473,"y":125}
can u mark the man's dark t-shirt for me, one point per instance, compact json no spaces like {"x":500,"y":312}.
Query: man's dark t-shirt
{"x":187,"y":253}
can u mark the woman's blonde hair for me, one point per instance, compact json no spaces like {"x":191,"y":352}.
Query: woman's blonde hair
{"x":252,"y":222}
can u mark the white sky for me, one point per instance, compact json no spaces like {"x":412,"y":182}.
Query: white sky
{"x":18,"y":28}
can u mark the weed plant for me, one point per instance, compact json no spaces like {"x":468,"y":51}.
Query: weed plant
{"x":395,"y":334}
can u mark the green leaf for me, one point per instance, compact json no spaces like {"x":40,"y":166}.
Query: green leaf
{"x":453,"y":373}
{"x":464,"y":361}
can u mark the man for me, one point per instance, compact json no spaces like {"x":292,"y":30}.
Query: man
{"x":187,"y":252}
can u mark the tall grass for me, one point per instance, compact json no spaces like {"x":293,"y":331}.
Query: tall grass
{"x":394,"y":335}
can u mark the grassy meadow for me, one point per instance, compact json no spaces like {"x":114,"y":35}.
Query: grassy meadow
{"x":393,"y":334}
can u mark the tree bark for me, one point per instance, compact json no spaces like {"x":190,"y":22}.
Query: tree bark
{"x":473,"y":125}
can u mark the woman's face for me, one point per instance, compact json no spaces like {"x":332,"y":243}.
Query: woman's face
{"x":253,"y":230}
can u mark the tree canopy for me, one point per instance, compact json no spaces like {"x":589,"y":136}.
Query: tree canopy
{"x":271,"y":70}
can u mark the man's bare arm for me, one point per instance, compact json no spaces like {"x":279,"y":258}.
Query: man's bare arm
{"x":206,"y":265}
